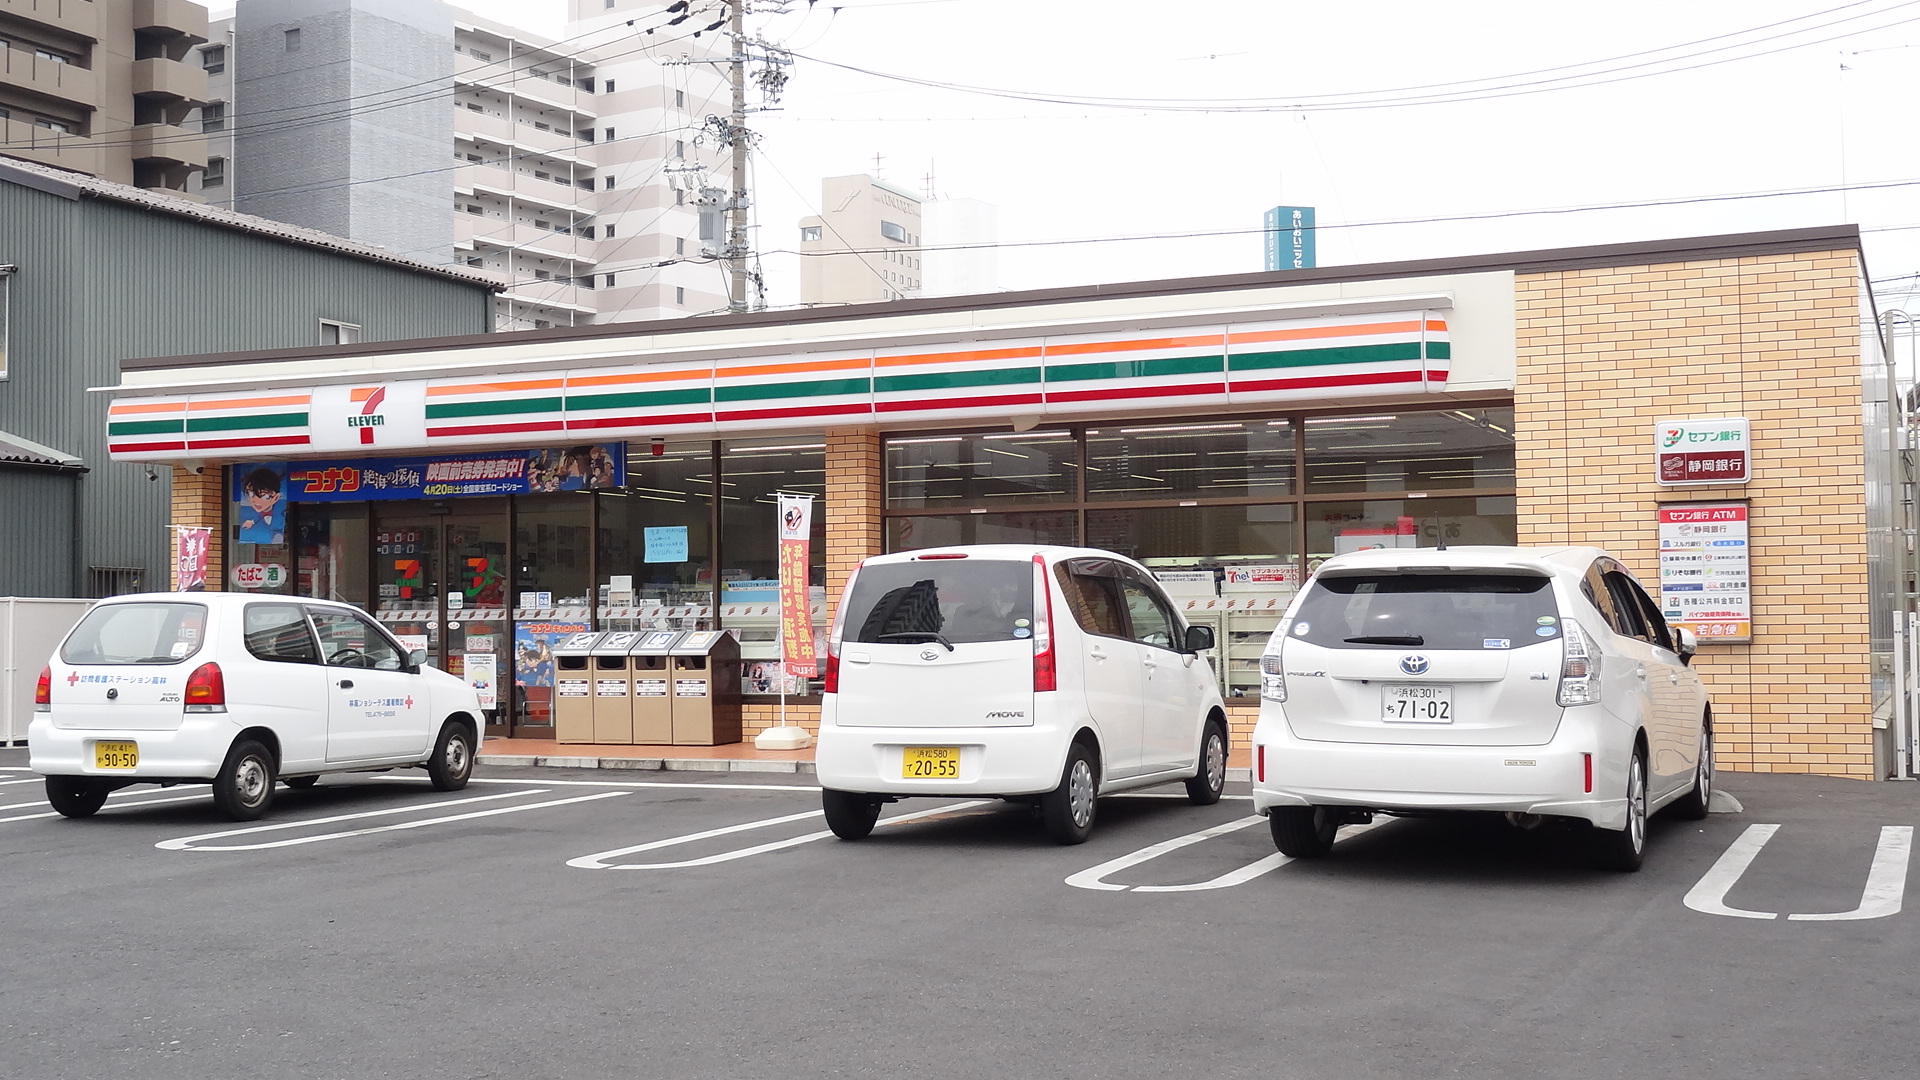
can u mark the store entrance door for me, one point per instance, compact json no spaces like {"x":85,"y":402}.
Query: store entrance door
{"x":440,"y":584}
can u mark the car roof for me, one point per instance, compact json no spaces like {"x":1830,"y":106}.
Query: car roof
{"x":1053,"y":553}
{"x":1571,"y":562}
{"x":217,"y":600}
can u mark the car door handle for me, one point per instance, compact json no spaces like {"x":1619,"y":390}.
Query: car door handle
{"x":1640,"y":672}
{"x":1096,"y":654}
{"x":346,"y":684}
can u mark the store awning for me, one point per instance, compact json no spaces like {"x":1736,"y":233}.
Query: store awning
{"x":15,"y":450}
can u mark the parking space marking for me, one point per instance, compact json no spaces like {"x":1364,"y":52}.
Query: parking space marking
{"x":123,"y":806}
{"x":28,"y":780}
{"x":1094,"y":877}
{"x":1886,"y":879}
{"x":1882,"y":896}
{"x":193,"y":843}
{"x":598,"y":861}
{"x":635,"y":784}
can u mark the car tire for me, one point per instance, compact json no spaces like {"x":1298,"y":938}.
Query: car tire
{"x":300,"y":782}
{"x":1302,"y":832}
{"x":1625,"y":849}
{"x":452,"y":760}
{"x":1068,"y":810}
{"x":1205,"y":786}
{"x":244,"y":788}
{"x":1695,"y":804}
{"x":76,"y":796}
{"x":849,"y":815}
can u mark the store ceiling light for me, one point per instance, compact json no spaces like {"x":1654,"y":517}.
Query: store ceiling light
{"x":1029,"y":436}
{"x":790,"y":446}
{"x":1179,"y":427}
{"x":1346,"y":419}
{"x":922,"y":442}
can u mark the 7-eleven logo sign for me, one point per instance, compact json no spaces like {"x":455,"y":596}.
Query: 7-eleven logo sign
{"x":369,"y":400}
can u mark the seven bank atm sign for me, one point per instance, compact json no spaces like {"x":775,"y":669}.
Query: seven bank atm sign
{"x":1713,"y":451}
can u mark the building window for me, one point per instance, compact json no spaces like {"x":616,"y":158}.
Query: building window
{"x":474,"y":107}
{"x":476,"y":159}
{"x":104,"y":581}
{"x":679,"y":197}
{"x":893,"y":232}
{"x":586,"y":282}
{"x":483,"y":57}
{"x":609,"y":86}
{"x":609,"y":232}
{"x":609,"y":134}
{"x":293,"y":40}
{"x":473,"y":208}
{"x":214,"y":59}
{"x":607,"y":280}
{"x":679,"y":245}
{"x":215,"y":173}
{"x":679,"y":99}
{"x":542,"y":225}
{"x":679,"y":295}
{"x":213,"y":116}
{"x":475,"y":260}
{"x":48,"y":54}
{"x":586,"y":232}
{"x":680,"y":148}
{"x":542,"y":324}
{"x":338,"y":333}
{"x":809,"y":232}
{"x":608,"y":183}
{"x":541,"y":275}
{"x":52,"y":125}
{"x":584,"y":84}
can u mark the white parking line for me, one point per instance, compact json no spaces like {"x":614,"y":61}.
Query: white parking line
{"x":1095,"y":877}
{"x":635,"y":784}
{"x":192,"y":843}
{"x":599,"y":861}
{"x":121,"y":806}
{"x":1882,"y":895}
{"x":28,"y":780}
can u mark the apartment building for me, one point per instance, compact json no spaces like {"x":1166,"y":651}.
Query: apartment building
{"x":104,"y":87}
{"x":867,"y":245}
{"x":452,"y":138}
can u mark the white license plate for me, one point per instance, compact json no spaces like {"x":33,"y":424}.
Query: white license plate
{"x":1417,"y":703}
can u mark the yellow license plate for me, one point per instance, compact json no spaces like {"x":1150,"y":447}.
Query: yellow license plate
{"x":116,"y":755}
{"x":930,"y":763}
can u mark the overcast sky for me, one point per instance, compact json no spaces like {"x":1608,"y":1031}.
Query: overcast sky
{"x":1185,"y":182}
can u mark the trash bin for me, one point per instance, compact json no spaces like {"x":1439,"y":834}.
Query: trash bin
{"x":573,"y":688}
{"x":706,"y":689}
{"x":652,"y":666}
{"x":613,"y":688}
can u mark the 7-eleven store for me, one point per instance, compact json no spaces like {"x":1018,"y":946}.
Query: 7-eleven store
{"x":483,"y":495}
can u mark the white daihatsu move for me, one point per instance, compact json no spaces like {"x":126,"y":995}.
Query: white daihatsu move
{"x":239,"y":691}
{"x":1541,"y":683}
{"x":1043,"y":674}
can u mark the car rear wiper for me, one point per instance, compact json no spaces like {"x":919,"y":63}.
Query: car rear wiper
{"x":918,"y":635}
{"x":1388,"y":639}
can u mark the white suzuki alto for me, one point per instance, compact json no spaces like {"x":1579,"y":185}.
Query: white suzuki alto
{"x":1046,"y":675}
{"x":1539,"y":683}
{"x":238,"y":691}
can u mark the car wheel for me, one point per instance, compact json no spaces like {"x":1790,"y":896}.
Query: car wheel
{"x":452,"y":760}
{"x":1068,"y":810}
{"x":75,"y":796}
{"x":1302,"y":832}
{"x":1625,"y":849}
{"x":1694,"y":804}
{"x":300,"y":782}
{"x":1204,"y":788}
{"x":850,"y":816}
{"x":244,"y":788}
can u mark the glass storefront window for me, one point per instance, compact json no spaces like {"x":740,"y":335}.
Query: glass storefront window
{"x":1197,"y":537}
{"x":1022,"y":527}
{"x":1335,"y":528}
{"x":1455,"y":448}
{"x":331,"y":552}
{"x":753,"y":471}
{"x":954,"y":470}
{"x":1250,"y":458}
{"x":552,"y":554}
{"x":658,"y":531}
{"x":260,"y":559}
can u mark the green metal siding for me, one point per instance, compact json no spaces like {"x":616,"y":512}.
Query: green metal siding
{"x":37,"y":553}
{"x":100,"y":282}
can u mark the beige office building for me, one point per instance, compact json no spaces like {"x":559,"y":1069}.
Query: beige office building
{"x":863,"y":246}
{"x":104,"y":87}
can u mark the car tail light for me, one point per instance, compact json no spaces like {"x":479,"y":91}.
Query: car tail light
{"x":206,"y":689}
{"x":830,"y":680}
{"x":1273,"y":678}
{"x":1260,"y":763}
{"x":1579,"y":667}
{"x":43,"y":691}
{"x":1045,"y":674}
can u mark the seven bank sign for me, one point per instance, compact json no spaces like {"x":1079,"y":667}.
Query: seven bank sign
{"x":1716,"y":451}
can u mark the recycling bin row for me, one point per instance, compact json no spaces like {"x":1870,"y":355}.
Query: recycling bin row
{"x":648,"y":687}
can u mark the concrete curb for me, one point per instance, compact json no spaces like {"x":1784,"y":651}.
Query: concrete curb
{"x":655,"y":764}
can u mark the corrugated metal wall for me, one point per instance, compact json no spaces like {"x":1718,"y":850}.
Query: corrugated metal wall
{"x":37,"y":553}
{"x":100,"y":282}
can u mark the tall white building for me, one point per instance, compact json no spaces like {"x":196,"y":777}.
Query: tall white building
{"x":448,"y":137}
{"x":875,"y":241}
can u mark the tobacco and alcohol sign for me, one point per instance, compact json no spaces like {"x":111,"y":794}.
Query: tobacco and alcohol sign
{"x":1713,"y":451}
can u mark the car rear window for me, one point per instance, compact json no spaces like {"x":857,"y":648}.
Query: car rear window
{"x":1427,"y":611}
{"x":157,"y":633}
{"x":960,"y":600}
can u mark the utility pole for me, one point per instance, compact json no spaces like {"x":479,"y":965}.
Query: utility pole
{"x":736,"y":252}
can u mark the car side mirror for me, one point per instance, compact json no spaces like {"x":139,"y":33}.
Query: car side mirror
{"x":1685,"y":644}
{"x":1199,"y":638}
{"x":416,"y":659}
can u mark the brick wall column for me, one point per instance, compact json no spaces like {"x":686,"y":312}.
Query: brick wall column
{"x":199,"y":500}
{"x":853,"y":505}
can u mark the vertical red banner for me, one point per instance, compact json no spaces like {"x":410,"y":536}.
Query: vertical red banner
{"x":796,"y":621}
{"x":190,"y":560}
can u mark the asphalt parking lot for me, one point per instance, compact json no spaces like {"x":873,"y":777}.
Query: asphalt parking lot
{"x":579,"y":923}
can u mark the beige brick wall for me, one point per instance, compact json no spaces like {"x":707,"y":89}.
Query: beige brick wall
{"x":199,"y":500}
{"x":854,"y":501}
{"x":1605,"y":354}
